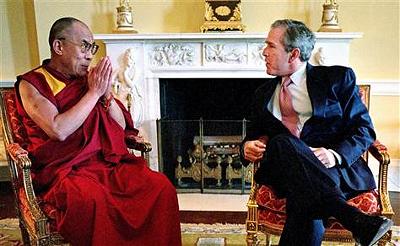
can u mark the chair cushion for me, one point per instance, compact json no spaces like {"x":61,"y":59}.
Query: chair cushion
{"x":272,"y":210}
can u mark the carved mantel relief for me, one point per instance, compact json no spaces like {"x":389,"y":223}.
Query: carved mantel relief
{"x":225,"y":53}
{"x":172,"y":54}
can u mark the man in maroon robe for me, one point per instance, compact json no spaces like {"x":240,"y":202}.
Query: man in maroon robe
{"x":100,"y":193}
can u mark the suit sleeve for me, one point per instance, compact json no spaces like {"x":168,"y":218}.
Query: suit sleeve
{"x":359,"y":133}
{"x":260,"y":122}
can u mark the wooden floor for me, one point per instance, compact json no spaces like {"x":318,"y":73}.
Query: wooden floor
{"x":208,"y":217}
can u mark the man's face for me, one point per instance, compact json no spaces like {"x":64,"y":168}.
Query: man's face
{"x":76,"y":61}
{"x":276,"y":58}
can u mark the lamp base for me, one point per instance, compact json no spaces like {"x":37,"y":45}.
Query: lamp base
{"x":125,"y":30}
{"x":329,"y":28}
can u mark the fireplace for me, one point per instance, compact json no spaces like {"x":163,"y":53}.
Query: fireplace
{"x":149,"y":66}
{"x":201,"y":126}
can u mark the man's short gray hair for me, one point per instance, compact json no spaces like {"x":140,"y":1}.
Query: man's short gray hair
{"x":297,"y":35}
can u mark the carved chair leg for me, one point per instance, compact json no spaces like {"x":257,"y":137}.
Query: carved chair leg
{"x":24,"y":233}
{"x":251,"y":238}
{"x":385,"y":239}
{"x":268,"y":239}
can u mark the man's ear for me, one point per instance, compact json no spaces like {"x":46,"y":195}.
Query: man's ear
{"x":58,"y":47}
{"x":294,"y":54}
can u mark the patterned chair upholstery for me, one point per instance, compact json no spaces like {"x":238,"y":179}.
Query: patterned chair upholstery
{"x":36,"y":218}
{"x":266,"y":212}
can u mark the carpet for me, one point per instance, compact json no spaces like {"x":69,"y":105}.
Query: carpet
{"x":10,"y":234}
{"x":235,"y":234}
{"x":192,"y":234}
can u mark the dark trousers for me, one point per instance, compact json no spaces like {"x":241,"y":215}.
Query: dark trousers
{"x":313,"y":192}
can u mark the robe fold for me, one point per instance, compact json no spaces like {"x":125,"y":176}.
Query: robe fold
{"x":100,"y":194}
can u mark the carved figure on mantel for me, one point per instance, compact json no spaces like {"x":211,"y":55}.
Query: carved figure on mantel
{"x":320,"y":57}
{"x":128,"y":89}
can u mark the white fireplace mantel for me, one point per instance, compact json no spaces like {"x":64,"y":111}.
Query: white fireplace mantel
{"x":140,"y":60}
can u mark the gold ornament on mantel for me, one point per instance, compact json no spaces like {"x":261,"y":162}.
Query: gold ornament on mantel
{"x":330,"y":17}
{"x":222,"y":15}
{"x":124,"y":18}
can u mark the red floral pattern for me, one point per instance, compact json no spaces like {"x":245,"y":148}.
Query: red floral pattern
{"x":272,"y":210}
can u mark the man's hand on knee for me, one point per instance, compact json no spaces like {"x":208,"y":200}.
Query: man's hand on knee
{"x":325,"y":156}
{"x":254,"y":150}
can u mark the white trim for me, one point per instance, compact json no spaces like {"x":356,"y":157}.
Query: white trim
{"x":6,"y":84}
{"x":383,"y":87}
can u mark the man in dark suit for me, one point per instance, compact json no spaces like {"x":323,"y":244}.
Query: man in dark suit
{"x":308,"y":128}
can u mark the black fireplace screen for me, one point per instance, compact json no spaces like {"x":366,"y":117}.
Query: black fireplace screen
{"x":203,"y":155}
{"x":202,"y":124}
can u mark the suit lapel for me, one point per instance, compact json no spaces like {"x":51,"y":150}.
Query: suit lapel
{"x":271,"y":88}
{"x":317,"y":90}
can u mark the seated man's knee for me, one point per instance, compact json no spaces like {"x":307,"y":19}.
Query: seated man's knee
{"x":284,"y":139}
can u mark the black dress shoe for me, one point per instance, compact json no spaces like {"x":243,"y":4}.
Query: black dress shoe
{"x":371,"y":229}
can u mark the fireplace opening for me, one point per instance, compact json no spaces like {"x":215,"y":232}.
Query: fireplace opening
{"x":202,"y":124}
{"x":210,"y":99}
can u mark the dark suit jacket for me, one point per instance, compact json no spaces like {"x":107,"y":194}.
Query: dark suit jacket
{"x":340,"y":121}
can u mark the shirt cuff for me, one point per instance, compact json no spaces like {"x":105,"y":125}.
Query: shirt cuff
{"x":338,"y":158}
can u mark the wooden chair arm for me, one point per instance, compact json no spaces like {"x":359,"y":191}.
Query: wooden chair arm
{"x":19,"y":155}
{"x":143,"y":147}
{"x":379,"y":152}
{"x":34,"y":218}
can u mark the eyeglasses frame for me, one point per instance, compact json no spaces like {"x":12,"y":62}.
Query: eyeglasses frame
{"x":85,"y":45}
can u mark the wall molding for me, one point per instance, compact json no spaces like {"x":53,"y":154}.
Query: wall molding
{"x":378,"y":87}
{"x":5,"y":83}
{"x":383,"y":87}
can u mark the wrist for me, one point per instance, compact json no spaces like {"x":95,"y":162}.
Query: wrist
{"x":108,"y":94}
{"x":336,"y":156}
{"x":106,"y":101}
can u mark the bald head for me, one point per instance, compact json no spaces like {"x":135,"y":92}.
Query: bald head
{"x":60,"y":27}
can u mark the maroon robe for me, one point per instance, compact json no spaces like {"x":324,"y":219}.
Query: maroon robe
{"x":101,"y":194}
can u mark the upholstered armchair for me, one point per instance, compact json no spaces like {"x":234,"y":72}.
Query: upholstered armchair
{"x":266,"y":212}
{"x":35,"y":220}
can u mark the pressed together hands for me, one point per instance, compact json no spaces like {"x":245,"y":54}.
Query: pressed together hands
{"x":100,"y":78}
{"x":254,"y":151}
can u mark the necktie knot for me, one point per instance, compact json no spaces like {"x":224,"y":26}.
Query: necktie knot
{"x":286,"y":81}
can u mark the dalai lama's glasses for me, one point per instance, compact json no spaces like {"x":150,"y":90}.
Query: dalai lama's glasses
{"x":85,"y":46}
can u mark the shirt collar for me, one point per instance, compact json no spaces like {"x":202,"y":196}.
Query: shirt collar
{"x":300,"y":75}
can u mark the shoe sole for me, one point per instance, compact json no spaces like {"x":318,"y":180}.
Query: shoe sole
{"x":381,"y":232}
